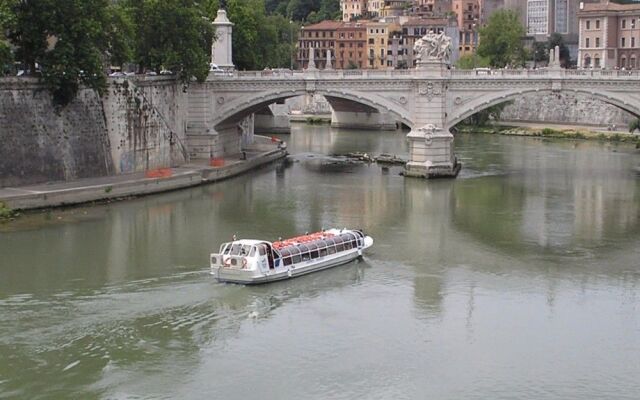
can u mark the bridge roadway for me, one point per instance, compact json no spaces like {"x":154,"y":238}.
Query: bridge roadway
{"x":430,"y":100}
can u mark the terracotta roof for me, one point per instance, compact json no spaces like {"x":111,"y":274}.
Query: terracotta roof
{"x":609,"y":6}
{"x":324,"y":25}
{"x":426,"y":21}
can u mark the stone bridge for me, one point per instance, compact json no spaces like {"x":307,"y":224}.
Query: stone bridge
{"x":429,"y":100}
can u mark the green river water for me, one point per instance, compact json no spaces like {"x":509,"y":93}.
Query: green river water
{"x":518,"y":280}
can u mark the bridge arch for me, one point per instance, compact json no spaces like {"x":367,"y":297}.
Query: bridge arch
{"x":466,"y":110}
{"x":240,"y":108}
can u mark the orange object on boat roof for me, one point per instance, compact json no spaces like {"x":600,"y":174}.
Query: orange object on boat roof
{"x":310,"y":237}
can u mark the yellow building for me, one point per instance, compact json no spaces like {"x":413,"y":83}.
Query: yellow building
{"x":378,"y":44}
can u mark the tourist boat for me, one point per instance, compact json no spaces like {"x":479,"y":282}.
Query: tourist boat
{"x":258,"y":261}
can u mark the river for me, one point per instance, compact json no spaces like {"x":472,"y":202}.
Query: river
{"x":520,"y":279}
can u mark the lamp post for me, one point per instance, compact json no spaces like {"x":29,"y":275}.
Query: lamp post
{"x":475,"y":41}
{"x":292,"y":48}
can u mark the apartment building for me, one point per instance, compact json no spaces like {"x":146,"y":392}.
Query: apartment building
{"x":609,"y":35}
{"x":319,"y":38}
{"x":351,"y":45}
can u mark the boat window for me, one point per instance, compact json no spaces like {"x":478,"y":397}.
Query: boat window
{"x":295,"y":252}
{"x":224,"y":248}
{"x":313,"y":247}
{"x":235,"y":249}
{"x":304,"y":252}
{"x":285,"y":252}
{"x":331,"y":249}
{"x":286,"y":261}
{"x":339,"y":246}
{"x":262,"y":249}
{"x":322,"y":252}
{"x":347,"y":245}
{"x":253,"y":251}
{"x":245,"y":250}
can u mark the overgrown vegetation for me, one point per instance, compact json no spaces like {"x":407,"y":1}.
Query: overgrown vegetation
{"x":549,"y":133}
{"x":317,"y":120}
{"x":6,"y":213}
{"x":634,"y":125}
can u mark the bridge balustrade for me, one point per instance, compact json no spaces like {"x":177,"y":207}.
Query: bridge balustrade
{"x":453,"y":74}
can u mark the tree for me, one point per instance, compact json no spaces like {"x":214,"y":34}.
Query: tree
{"x":173,"y":34}
{"x":634,"y":125}
{"x":501,"y":40}
{"x":470,"y":61}
{"x":121,"y":34}
{"x":482,"y":118}
{"x":67,"y":38}
{"x":540,"y":52}
{"x":7,"y":19}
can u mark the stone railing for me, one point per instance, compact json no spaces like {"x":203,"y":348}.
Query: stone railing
{"x":480,"y":73}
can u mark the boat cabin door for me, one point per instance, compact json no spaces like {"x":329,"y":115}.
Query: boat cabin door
{"x":266,"y":256}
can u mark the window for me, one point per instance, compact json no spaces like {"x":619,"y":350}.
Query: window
{"x":588,"y":24}
{"x":624,"y":23}
{"x":586,"y":42}
{"x":597,"y":24}
{"x":633,"y":24}
{"x":633,"y":42}
{"x":371,"y":41}
{"x":597,"y":42}
{"x":622,"y":42}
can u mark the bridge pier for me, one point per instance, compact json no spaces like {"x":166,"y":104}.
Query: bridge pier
{"x":431,"y":154}
{"x":430,"y":142}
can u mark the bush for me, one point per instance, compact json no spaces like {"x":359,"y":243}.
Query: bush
{"x":549,"y":132}
{"x":633,"y":125}
{"x":6,"y":212}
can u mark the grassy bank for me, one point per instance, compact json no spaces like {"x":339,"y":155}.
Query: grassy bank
{"x":551,"y":133}
{"x":6,"y":213}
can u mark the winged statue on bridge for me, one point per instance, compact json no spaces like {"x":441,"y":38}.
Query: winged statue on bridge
{"x":433,"y":47}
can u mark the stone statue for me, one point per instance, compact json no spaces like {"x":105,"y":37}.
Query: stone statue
{"x":433,"y":47}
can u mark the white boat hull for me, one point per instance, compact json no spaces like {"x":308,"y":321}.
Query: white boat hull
{"x":251,"y":277}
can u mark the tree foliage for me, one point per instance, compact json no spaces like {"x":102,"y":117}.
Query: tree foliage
{"x":174,"y":35}
{"x":304,"y":10}
{"x":260,"y":40}
{"x":470,"y":61}
{"x":7,"y":19}
{"x":487,"y":115}
{"x":540,"y":50}
{"x":501,"y":40}
{"x":67,"y":38}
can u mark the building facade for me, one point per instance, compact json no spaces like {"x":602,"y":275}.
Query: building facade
{"x":468,"y":16}
{"x":351,"y":46}
{"x":352,"y":9}
{"x":378,"y":34}
{"x":609,"y":35}
{"x":320,"y":38}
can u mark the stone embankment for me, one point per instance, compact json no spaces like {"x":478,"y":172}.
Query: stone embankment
{"x":136,"y":184}
{"x":136,"y":125}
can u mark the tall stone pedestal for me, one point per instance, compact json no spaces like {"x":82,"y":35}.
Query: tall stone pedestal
{"x":431,"y":154}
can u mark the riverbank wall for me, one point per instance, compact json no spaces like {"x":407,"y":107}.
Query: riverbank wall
{"x":136,"y":125}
